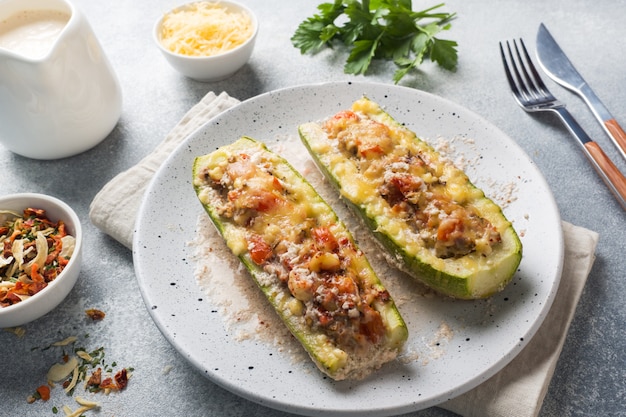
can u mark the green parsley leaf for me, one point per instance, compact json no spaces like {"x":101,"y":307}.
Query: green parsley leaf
{"x":379,"y":29}
{"x":361,"y":56}
{"x":444,"y":53}
{"x":317,"y":31}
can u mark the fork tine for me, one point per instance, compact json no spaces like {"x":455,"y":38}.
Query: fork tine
{"x":524,"y":79}
{"x":507,"y":71}
{"x":528,"y":86}
{"x":519,"y":87}
{"x":536,"y":78}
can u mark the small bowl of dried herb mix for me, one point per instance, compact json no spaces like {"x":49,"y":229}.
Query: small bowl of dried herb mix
{"x":40,"y":256}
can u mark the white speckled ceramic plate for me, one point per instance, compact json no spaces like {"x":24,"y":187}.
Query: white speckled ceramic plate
{"x":481,"y":336}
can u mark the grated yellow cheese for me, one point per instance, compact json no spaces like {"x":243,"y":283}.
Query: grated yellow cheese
{"x":205,"y":29}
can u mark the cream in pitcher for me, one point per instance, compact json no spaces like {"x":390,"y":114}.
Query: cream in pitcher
{"x":59,"y":95}
{"x":32,"y":32}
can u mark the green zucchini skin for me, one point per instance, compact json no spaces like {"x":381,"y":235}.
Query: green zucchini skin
{"x":331,"y":358}
{"x":450,"y":277}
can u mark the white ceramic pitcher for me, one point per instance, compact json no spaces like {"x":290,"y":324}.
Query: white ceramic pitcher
{"x":66,"y":101}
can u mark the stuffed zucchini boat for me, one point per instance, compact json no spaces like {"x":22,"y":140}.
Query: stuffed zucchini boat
{"x":302,"y":257}
{"x":433,"y":222}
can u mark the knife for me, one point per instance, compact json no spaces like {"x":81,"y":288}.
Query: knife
{"x":558,"y":67}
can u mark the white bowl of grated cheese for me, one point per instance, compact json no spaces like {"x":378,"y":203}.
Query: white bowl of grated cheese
{"x":40,"y":257}
{"x":207,"y":41}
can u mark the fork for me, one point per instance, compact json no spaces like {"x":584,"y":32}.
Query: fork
{"x":533,"y":96}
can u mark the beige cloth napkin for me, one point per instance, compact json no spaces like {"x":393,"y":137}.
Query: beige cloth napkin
{"x":516,"y":391}
{"x":114,"y":208}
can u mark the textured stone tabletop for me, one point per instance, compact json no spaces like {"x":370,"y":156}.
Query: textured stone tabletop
{"x":590,"y":376}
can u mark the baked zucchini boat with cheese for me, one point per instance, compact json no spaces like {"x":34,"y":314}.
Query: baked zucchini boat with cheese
{"x":302,"y":257}
{"x":433,"y":222}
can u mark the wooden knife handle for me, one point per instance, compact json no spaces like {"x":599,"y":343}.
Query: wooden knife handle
{"x":617,"y":133}
{"x":614,"y":178}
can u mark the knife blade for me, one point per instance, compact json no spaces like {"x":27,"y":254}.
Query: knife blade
{"x":558,"y":67}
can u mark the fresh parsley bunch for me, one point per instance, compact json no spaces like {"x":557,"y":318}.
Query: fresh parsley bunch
{"x":379,"y":29}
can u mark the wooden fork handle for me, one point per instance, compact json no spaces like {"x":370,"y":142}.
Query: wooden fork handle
{"x":618,"y":134}
{"x":613,"y":178}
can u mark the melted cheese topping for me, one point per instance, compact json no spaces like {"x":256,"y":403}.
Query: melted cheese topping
{"x":270,"y":215}
{"x":411,"y":193}
{"x":205,"y":29}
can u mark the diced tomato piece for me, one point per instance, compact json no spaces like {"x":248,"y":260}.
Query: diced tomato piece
{"x":324,"y":239}
{"x":259,"y":250}
{"x":264,"y":201}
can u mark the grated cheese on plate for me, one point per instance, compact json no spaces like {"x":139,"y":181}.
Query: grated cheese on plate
{"x":205,"y":29}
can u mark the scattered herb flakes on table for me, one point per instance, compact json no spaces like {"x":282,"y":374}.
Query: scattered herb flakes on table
{"x":379,"y":29}
{"x":81,"y":367}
